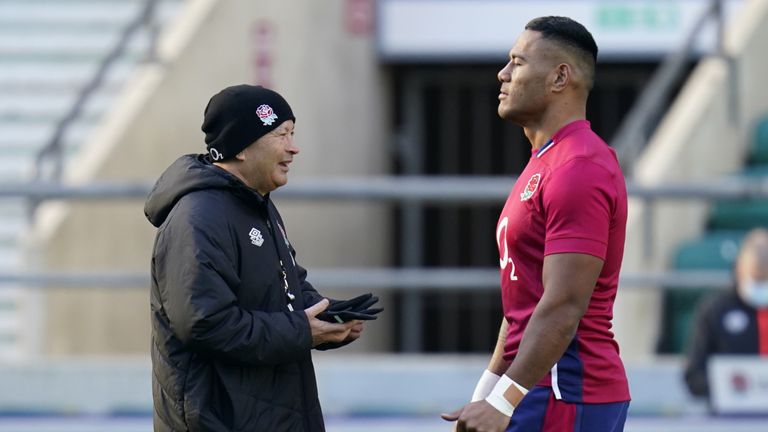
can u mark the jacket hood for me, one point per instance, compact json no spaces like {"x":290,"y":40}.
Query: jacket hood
{"x":187,"y":174}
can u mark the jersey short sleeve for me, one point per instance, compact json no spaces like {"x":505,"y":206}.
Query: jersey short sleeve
{"x":578,"y":202}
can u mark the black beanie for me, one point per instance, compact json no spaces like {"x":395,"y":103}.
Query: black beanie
{"x":239,"y":115}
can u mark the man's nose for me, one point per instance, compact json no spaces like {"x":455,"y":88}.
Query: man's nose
{"x":504,"y":74}
{"x":292,"y":147}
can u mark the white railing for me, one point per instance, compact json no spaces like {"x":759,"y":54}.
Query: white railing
{"x":408,"y":189}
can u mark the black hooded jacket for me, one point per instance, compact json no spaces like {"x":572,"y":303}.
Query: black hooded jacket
{"x":723,"y":324}
{"x":227,"y":353}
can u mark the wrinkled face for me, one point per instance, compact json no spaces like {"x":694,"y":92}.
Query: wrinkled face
{"x":265,"y":162}
{"x":524,"y":80}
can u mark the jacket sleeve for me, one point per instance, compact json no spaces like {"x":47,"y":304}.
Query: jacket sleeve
{"x":700,"y":347}
{"x":195,"y":269}
{"x":308,"y":292}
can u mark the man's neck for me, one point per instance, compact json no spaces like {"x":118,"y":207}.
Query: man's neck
{"x":232,"y":169}
{"x":551,"y":122}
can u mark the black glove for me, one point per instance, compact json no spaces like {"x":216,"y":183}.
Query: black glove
{"x":357,"y":303}
{"x":344,"y":316}
{"x":357,"y":308}
{"x":339,"y":311}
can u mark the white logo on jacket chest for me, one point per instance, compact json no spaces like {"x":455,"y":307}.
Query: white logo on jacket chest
{"x":256,"y":237}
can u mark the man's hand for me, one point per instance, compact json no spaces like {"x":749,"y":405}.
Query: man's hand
{"x":478,"y":417}
{"x":323,"y":332}
{"x":357,"y":330}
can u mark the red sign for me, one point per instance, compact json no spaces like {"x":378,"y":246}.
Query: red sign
{"x":263,"y":45}
{"x":359,"y":16}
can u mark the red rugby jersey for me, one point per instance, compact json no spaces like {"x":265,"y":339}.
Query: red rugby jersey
{"x":571,"y":197}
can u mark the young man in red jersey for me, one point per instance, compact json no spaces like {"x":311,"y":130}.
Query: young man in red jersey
{"x":556,"y":366}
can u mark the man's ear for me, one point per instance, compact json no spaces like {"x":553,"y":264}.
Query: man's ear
{"x":562,"y":77}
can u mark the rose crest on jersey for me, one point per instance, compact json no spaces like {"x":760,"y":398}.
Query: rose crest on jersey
{"x":266,"y":114}
{"x":530,"y":188}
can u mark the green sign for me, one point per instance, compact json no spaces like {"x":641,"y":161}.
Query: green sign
{"x":652,"y":16}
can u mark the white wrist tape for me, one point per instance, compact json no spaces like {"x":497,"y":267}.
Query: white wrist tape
{"x":497,"y":399}
{"x":485,"y":385}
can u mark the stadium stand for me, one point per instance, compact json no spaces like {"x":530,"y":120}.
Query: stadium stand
{"x":704,"y":136}
{"x":49,"y":50}
{"x":717,"y":247}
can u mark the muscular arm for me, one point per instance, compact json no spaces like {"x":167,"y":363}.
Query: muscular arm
{"x":569,"y":280}
{"x":497,"y":364}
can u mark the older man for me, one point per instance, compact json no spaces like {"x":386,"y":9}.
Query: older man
{"x":233,"y":316}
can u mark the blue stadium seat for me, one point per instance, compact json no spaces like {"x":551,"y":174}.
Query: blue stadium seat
{"x":759,"y":153}
{"x":745,"y":215}
{"x":715,"y":250}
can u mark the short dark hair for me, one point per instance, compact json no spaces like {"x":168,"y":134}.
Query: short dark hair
{"x":566,"y":31}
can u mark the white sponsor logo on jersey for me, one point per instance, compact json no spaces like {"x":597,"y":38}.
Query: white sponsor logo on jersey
{"x":501,"y":239}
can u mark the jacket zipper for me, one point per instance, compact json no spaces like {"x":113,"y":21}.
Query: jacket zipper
{"x":290,"y":297}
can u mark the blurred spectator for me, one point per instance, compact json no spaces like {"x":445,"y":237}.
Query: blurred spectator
{"x":736,"y":321}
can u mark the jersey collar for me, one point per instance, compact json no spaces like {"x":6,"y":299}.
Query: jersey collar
{"x":543,"y":149}
{"x":562,"y":133}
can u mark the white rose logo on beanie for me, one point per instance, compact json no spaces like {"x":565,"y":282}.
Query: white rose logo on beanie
{"x":266,"y":114}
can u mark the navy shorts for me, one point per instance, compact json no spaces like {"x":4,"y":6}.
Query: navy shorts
{"x":539,"y":411}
